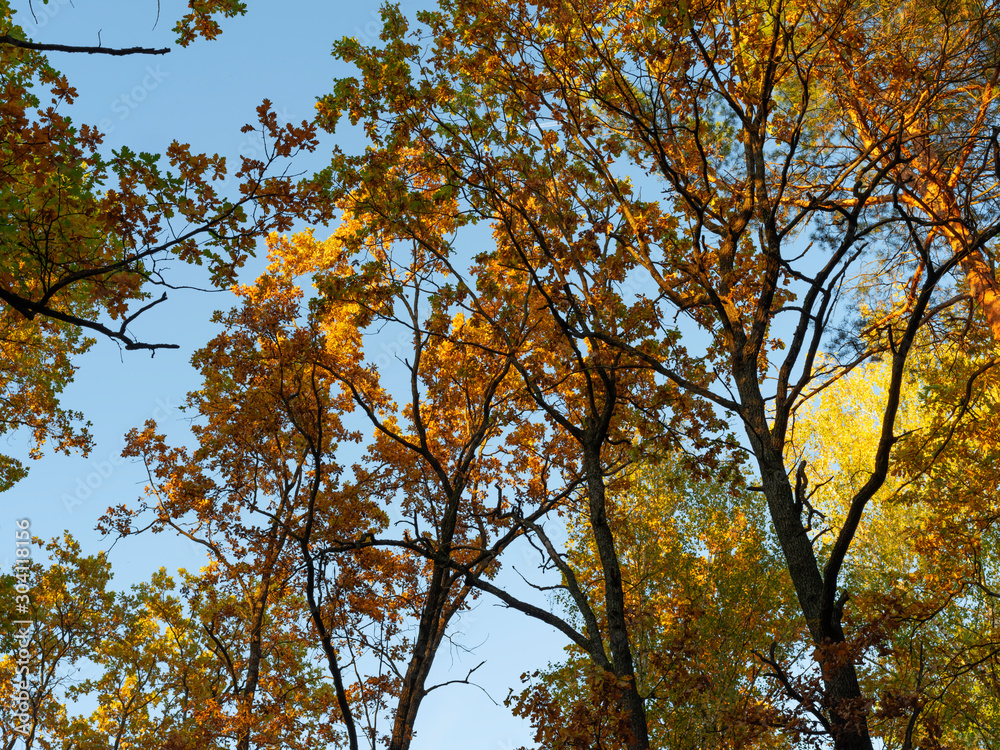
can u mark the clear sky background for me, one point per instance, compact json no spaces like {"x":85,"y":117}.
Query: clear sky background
{"x":203,"y":95}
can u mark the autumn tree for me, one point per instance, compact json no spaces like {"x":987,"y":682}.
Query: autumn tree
{"x":85,"y":235}
{"x":154,"y":665}
{"x":265,"y":464}
{"x":62,"y":630}
{"x":575,"y":389}
{"x":922,"y":583}
{"x":555,"y":122}
{"x":389,"y":547}
{"x":705,"y":592}
{"x":434,"y":463}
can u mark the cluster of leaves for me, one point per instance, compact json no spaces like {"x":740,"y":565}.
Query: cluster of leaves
{"x":162,"y":665}
{"x":84,"y":235}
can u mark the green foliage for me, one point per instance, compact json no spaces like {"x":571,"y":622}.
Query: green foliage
{"x":706,"y":593}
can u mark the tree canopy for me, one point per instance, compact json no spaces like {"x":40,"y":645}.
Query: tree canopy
{"x":695,"y":304}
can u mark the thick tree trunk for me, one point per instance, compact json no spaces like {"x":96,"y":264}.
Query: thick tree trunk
{"x":940,"y":202}
{"x":842,"y":692}
{"x":614,"y":594}
{"x":984,"y":288}
{"x":434,"y":618}
{"x":842,"y":697}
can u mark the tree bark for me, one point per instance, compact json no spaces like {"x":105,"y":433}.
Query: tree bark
{"x":842,"y":693}
{"x":614,"y":597}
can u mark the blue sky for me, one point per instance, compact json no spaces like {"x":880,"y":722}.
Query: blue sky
{"x":203,"y":95}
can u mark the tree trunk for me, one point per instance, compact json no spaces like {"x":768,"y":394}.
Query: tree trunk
{"x":842,"y":697}
{"x":433,"y":623}
{"x":614,"y":597}
{"x":985,"y":289}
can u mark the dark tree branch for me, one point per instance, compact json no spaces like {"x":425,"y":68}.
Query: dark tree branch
{"x":118,"y":51}
{"x":779,"y":674}
{"x":29,"y":310}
